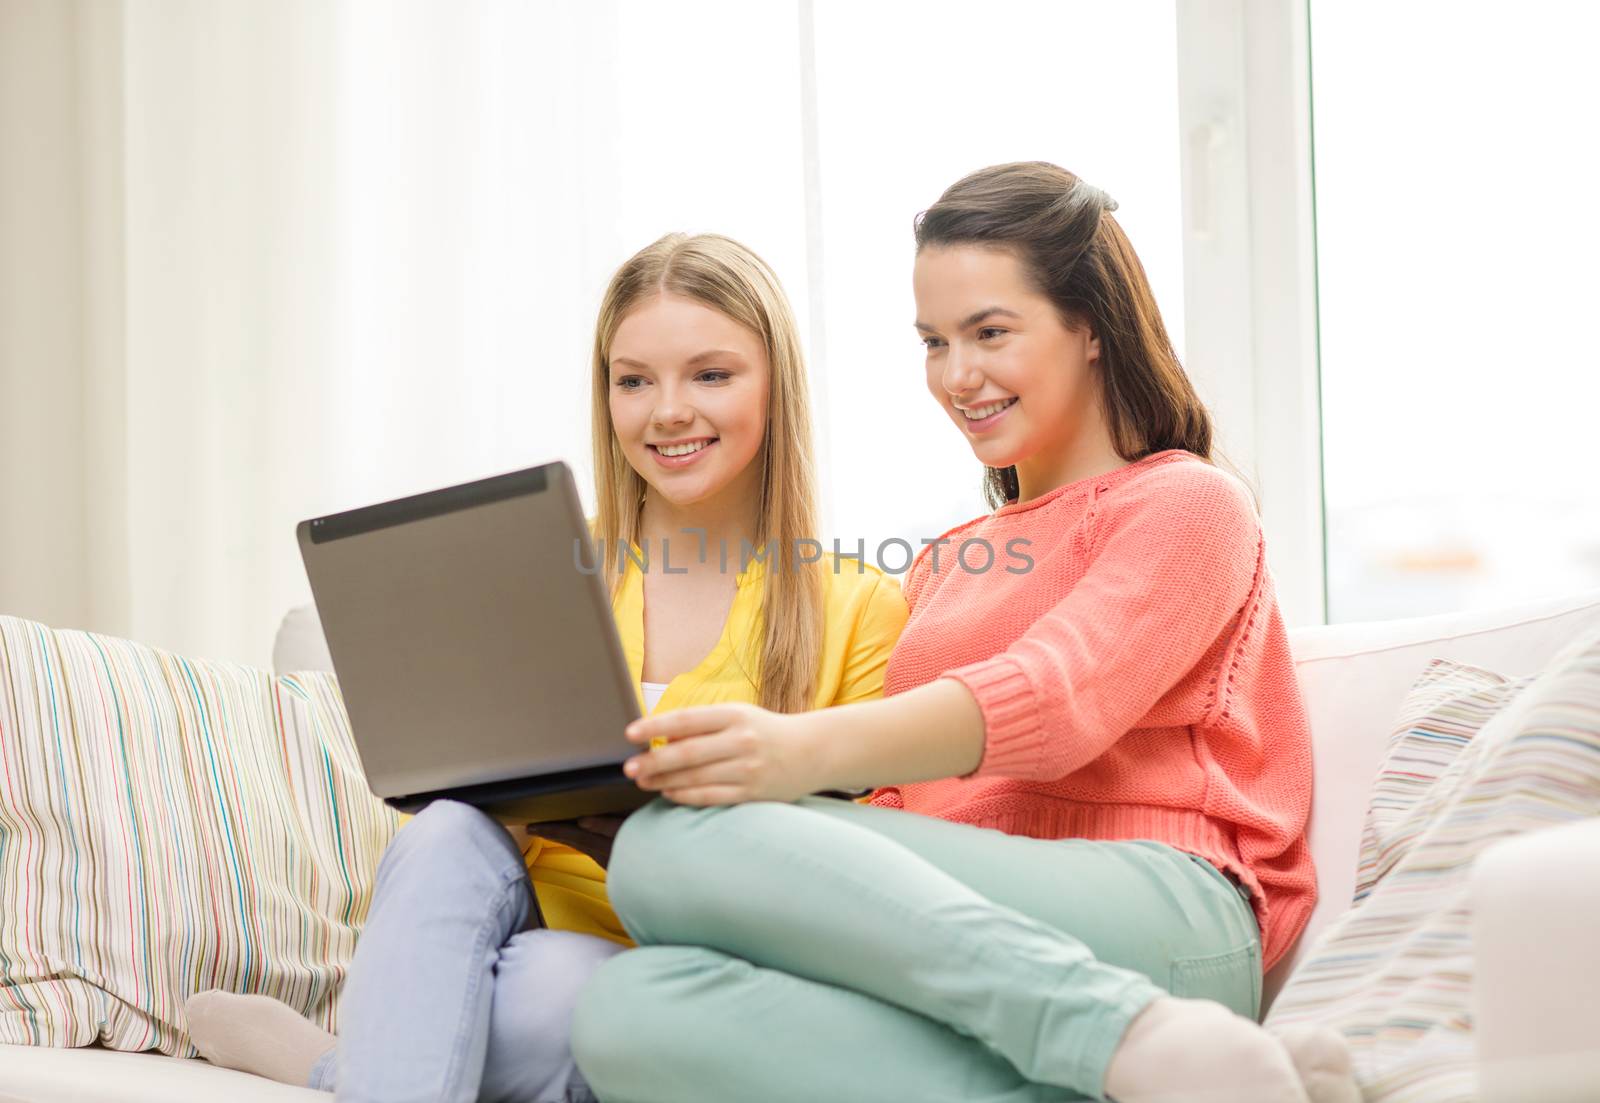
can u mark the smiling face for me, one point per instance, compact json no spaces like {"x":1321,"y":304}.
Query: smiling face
{"x":1019,"y":383}
{"x":688,"y":397}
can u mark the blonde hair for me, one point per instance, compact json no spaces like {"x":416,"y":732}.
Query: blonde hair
{"x":730,"y":279}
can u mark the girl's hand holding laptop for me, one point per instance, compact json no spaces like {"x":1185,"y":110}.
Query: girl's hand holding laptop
{"x":732,"y":753}
{"x":724,"y":754}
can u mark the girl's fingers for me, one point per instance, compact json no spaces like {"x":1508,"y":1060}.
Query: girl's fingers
{"x":727,"y":771}
{"x":674,"y":757}
{"x":730,"y":771}
{"x":682,"y":723}
{"x":709,"y":767}
{"x":696,"y":778}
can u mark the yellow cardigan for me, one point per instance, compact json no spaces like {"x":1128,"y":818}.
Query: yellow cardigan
{"x":863,"y":613}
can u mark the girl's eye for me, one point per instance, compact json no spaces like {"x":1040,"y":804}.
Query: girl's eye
{"x":986,"y":330}
{"x":716,"y":376}
{"x":629,"y":383}
{"x":933,"y":342}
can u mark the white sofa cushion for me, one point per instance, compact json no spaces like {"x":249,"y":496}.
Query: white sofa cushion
{"x":300,"y":644}
{"x":1354,"y":677}
{"x":1394,"y":973}
{"x":1536,"y":965}
{"x":42,"y":1074}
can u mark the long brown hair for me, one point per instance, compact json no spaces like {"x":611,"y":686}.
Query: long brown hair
{"x":730,"y":279}
{"x":1061,"y":230}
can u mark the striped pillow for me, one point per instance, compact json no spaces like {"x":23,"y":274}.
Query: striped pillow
{"x":167,"y":826}
{"x":1444,"y":710}
{"x":1394,"y":974}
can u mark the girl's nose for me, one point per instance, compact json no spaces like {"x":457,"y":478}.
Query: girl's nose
{"x":670,"y":409}
{"x":960,"y":373}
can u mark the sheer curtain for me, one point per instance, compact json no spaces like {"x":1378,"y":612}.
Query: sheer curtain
{"x":344,"y":252}
{"x":365,"y":243}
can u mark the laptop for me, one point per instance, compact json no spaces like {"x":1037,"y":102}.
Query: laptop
{"x":472,"y":635}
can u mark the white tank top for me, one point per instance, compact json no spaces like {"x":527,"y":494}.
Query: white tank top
{"x":652,"y":694}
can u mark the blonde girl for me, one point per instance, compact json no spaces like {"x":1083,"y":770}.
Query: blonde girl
{"x":478,"y":941}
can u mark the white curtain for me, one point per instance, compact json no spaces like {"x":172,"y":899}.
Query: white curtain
{"x":336,"y":253}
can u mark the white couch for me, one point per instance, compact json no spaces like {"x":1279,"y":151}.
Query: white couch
{"x":1538,"y":1034}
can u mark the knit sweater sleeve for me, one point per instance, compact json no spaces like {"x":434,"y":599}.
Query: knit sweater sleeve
{"x":1173,"y":559}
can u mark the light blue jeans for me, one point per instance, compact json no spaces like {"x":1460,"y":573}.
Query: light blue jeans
{"x":450,"y":998}
{"x":824,"y":950}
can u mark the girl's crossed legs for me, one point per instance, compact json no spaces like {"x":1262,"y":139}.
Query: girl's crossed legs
{"x":450,"y":998}
{"x":830,"y":950}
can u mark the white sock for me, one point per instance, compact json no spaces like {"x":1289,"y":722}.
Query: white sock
{"x":1322,"y":1058}
{"x":1197,"y":1051}
{"x":256,"y":1034}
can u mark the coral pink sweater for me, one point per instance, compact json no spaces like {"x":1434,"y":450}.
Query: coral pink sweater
{"x":1135,"y":683}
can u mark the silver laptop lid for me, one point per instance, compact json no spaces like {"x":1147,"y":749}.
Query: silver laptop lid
{"x":469,"y":645}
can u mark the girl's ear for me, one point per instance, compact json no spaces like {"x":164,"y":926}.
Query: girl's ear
{"x":1093,"y":347}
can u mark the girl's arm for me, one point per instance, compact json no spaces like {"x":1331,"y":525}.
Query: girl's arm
{"x":1175,"y":568}
{"x":725,"y":754}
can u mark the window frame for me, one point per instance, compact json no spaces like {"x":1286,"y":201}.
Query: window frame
{"x":1250,"y":294}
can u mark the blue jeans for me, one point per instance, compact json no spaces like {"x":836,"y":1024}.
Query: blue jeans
{"x":450,"y":999}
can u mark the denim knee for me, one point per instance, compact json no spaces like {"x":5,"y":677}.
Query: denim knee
{"x":538,"y":978}
{"x":452,"y":842}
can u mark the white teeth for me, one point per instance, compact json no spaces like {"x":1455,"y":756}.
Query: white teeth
{"x":681,"y":449}
{"x":987,"y":411}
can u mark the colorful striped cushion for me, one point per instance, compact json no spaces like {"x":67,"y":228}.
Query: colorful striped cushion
{"x":1394,"y":974}
{"x":1446,"y":707}
{"x":166,"y":826}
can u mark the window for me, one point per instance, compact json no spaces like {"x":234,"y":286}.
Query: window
{"x":494,"y":173}
{"x":1456,"y":237}
{"x":907,"y":103}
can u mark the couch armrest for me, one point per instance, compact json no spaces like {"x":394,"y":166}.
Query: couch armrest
{"x":300,"y":644}
{"x":1535,"y":907}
